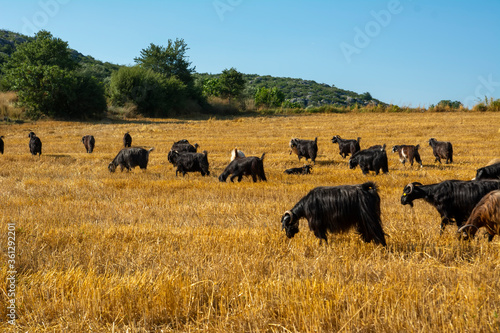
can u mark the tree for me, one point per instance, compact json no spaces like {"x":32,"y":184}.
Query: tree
{"x":43,"y":73}
{"x":448,"y":103}
{"x":269,"y":97}
{"x":231,"y":83}
{"x":153,"y":94}
{"x":169,"y":61}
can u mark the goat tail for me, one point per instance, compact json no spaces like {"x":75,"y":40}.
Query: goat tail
{"x":316,"y":140}
{"x":150,"y":150}
{"x":417,"y":146}
{"x":262,"y":157}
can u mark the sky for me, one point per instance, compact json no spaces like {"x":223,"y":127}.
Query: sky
{"x":406,"y":52}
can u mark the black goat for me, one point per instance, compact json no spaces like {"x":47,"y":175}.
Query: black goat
{"x":35,"y":144}
{"x":453,"y":199}
{"x":306,"y":169}
{"x":184,"y":146}
{"x":1,"y":144}
{"x":127,"y":140}
{"x":488,"y":172}
{"x":337,"y":209}
{"x":305,"y":148}
{"x":485,"y":214}
{"x":190,"y":162}
{"x":442,"y":150}
{"x":408,"y":152}
{"x":371,"y":159}
{"x":245,"y":166}
{"x":89,"y":143}
{"x":129,"y":158}
{"x":347,"y":146}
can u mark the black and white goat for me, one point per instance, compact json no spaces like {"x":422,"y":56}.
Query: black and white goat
{"x":371,"y":159}
{"x":442,"y":150}
{"x":236,"y":153}
{"x":246,"y":166}
{"x":304,"y":148}
{"x":408,"y":153}
{"x":338,"y":209}
{"x":453,"y":199}
{"x":347,"y":146}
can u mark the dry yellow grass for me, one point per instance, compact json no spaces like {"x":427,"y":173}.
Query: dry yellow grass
{"x":146,"y":251}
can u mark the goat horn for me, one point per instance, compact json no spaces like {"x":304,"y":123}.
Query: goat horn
{"x":465,"y":226}
{"x":290,"y":214}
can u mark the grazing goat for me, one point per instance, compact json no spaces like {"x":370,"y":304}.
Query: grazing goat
{"x":245,"y":166}
{"x":127,"y":140}
{"x":371,"y":159}
{"x":408,"y":152}
{"x":453,"y":199}
{"x":346,"y":146}
{"x":190,"y":162}
{"x":337,"y":209}
{"x":89,"y":143}
{"x":488,"y":172}
{"x":1,"y":144}
{"x":305,"y":148}
{"x":35,"y":144}
{"x":306,"y":169}
{"x":130,"y":158}
{"x":442,"y":150}
{"x":184,"y":146}
{"x":236,"y":153}
{"x":485,"y":214}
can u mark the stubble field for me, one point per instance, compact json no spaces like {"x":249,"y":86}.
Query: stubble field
{"x":149,"y":251}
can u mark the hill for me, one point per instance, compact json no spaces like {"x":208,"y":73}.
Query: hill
{"x":306,"y":93}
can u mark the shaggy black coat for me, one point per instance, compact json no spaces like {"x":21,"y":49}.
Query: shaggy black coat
{"x":35,"y":144}
{"x":347,"y":146}
{"x":488,"y":172}
{"x":306,"y":169}
{"x":442,"y":150}
{"x":190,"y":162}
{"x":245,"y":166}
{"x":305,"y":148}
{"x":1,"y":144}
{"x":486,"y":214}
{"x":89,"y":143}
{"x":453,"y":199}
{"x":338,"y":209}
{"x":127,"y":140}
{"x":371,"y":159}
{"x":408,"y":153}
{"x":129,"y":158}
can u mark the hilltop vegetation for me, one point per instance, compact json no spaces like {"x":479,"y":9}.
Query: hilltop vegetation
{"x":162,"y":83}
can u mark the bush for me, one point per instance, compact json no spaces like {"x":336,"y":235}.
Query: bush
{"x":152,"y":93}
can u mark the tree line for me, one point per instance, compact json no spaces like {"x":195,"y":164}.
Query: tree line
{"x":51,"y":82}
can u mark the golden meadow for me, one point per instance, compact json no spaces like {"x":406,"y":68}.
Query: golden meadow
{"x":148,"y":251}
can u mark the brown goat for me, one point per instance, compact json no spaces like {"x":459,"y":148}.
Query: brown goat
{"x":408,"y":153}
{"x":485,"y":214}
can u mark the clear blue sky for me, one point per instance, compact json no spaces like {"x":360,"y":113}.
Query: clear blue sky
{"x":406,"y":52}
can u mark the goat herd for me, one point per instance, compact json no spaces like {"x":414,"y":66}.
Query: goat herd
{"x":470,"y":204}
